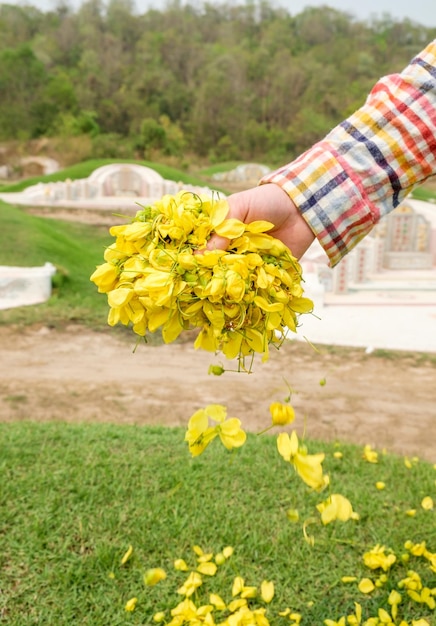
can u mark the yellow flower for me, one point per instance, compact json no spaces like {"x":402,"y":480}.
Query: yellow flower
{"x":200,"y":433}
{"x":307,"y":466}
{"x":159,"y":617}
{"x":424,"y":596}
{"x":377,"y":558}
{"x":154,"y":576}
{"x":131,"y":604}
{"x":127,"y":555}
{"x":105,"y":277}
{"x":411,"y":512}
{"x":192,"y":583}
{"x":185,"y":610}
{"x":241,"y":300}
{"x":338,"y":454}
{"x":369,"y":454}
{"x":336,"y":507}
{"x":412,"y":581}
{"x":267,"y":591}
{"x":380,"y":485}
{"x":282,"y":414}
{"x":417,"y":549}
{"x":180,"y":565}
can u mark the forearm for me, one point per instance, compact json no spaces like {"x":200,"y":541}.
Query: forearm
{"x":367,"y":165}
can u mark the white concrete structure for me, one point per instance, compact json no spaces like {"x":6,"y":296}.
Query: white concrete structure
{"x":22,"y":286}
{"x":117,"y":186}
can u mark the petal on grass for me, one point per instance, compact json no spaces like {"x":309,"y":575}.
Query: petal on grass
{"x":127,"y":555}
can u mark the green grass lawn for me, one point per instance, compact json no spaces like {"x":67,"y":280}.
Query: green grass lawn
{"x":74,"y":497}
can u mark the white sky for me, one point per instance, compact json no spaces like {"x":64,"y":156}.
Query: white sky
{"x":421,"y":11}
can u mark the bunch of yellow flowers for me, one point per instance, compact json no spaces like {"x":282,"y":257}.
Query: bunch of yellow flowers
{"x":159,"y":274}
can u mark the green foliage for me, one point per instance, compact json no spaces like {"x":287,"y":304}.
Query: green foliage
{"x":247,"y":81}
{"x":67,"y":519}
{"x":152,"y":136}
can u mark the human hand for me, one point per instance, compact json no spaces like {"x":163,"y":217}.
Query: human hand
{"x":271,"y":203}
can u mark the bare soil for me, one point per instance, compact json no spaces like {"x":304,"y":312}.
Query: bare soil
{"x":75,"y":375}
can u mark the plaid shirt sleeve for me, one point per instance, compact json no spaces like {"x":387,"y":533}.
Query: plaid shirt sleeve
{"x":366,"y":166}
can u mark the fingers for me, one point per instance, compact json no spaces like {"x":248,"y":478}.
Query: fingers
{"x":217,"y":243}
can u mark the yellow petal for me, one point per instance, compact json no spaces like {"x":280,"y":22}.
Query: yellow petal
{"x":127,"y":555}
{"x":267,"y":591}
{"x":159,"y":617}
{"x":238,"y":584}
{"x":309,"y":469}
{"x":366,"y":585}
{"x":301,"y":305}
{"x":336,"y":507}
{"x":231,"y":433}
{"x":217,"y":601}
{"x":216,"y":412}
{"x":105,"y":277}
{"x":259,"y":226}
{"x":394,"y":597}
{"x":172,"y":329}
{"x":284,"y":446}
{"x":219,"y":212}
{"x":348,"y":579}
{"x":228,"y":551}
{"x":293,"y":515}
{"x":154,"y":576}
{"x":209,"y":568}
{"x":249,"y":592}
{"x":237,"y":604}
{"x":427,"y":503}
{"x":131,"y":604}
{"x":119,"y":297}
{"x":268,"y":307}
{"x":231,"y":228}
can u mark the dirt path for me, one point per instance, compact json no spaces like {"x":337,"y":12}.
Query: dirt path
{"x":79,"y":376}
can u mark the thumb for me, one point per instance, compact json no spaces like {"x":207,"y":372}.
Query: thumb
{"x":216,"y":242}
